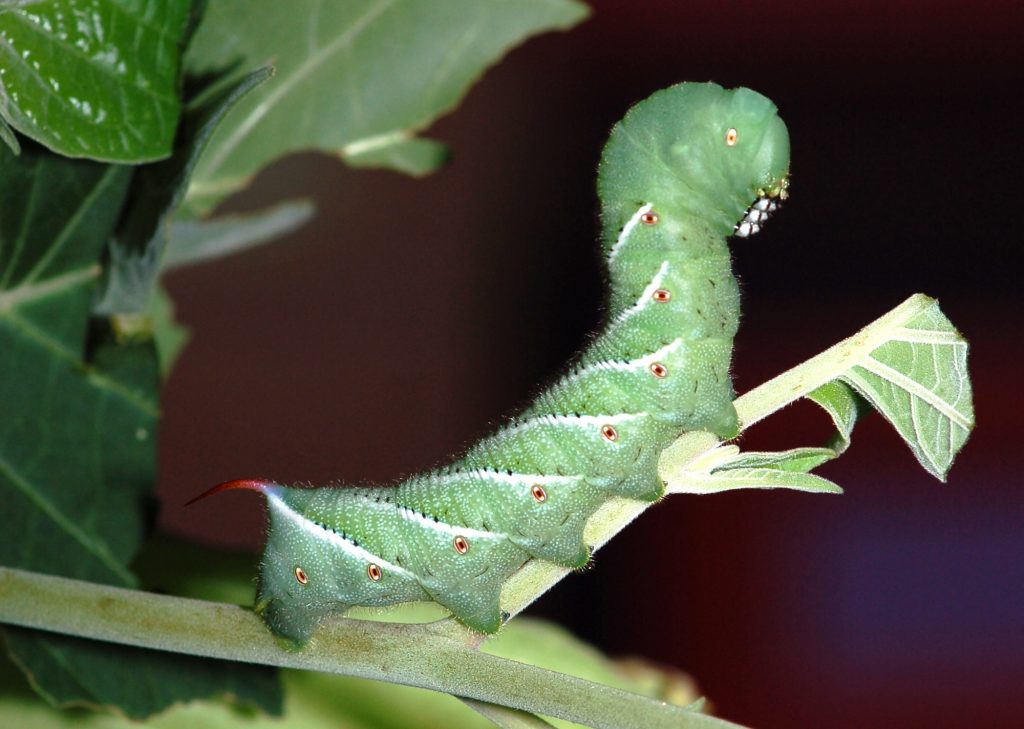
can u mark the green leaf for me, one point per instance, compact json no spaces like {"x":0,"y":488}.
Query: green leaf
{"x":133,"y":682}
{"x":845,"y":408}
{"x":918,"y":380}
{"x":358,"y":79}
{"x":78,"y":413}
{"x":727,"y":468}
{"x":96,"y":79}
{"x":76,"y":435}
{"x":398,"y":151}
{"x":197,"y":241}
{"x":794,"y":460}
{"x":730,"y":479}
{"x":8,"y":137}
{"x":136,"y":249}
{"x":911,"y":365}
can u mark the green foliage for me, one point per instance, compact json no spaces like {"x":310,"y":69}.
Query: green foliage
{"x":95,"y":79}
{"x":357,"y":79}
{"x":136,"y":249}
{"x":78,"y":434}
{"x":924,"y":392}
{"x":198,"y":241}
{"x":70,"y":416}
{"x":133,"y":682}
{"x":86,"y":334}
{"x":84,"y":331}
{"x":910,"y":366}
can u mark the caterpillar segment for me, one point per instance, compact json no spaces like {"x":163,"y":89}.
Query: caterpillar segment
{"x":685,"y":170}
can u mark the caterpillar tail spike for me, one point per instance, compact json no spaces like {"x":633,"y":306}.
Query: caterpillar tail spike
{"x":250,"y":484}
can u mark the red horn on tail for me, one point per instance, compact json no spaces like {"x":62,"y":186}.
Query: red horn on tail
{"x":251,"y":484}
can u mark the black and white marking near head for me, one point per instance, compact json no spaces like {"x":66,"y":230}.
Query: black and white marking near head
{"x":762,"y":208}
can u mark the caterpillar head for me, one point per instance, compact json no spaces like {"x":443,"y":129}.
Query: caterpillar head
{"x":700,"y":151}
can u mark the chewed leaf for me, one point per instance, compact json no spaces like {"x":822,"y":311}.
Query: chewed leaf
{"x":918,"y":381}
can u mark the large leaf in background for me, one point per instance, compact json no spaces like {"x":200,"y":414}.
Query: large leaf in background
{"x":358,"y":79}
{"x":78,"y":414}
{"x":76,"y":438}
{"x":94,"y":79}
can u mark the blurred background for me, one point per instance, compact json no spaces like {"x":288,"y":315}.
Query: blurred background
{"x":410,"y":315}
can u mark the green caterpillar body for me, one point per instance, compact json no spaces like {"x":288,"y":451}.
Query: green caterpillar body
{"x":685,"y":169}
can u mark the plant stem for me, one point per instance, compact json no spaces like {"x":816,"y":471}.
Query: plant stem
{"x":795,"y":383}
{"x":425,"y":655}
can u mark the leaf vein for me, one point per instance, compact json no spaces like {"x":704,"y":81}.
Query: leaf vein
{"x":915,"y":389}
{"x":46,"y":507}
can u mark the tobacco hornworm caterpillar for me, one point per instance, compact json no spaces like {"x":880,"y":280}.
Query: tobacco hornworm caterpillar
{"x":684,"y":170}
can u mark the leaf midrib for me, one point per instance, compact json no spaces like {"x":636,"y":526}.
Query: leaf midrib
{"x":95,"y":378}
{"x":915,"y":389}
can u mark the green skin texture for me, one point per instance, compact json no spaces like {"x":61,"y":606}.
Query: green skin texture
{"x":668,"y":156}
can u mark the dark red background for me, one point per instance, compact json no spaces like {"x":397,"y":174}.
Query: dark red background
{"x":410,"y":314}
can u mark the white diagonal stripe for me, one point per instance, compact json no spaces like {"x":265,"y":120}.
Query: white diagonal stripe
{"x":634,"y":364}
{"x":645,"y":297}
{"x":440,"y":526}
{"x":514,"y":479}
{"x":326,"y":535}
{"x":627,"y":229}
{"x":578,"y":421}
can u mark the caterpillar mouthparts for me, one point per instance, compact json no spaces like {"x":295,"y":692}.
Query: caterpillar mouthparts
{"x":767,"y":202}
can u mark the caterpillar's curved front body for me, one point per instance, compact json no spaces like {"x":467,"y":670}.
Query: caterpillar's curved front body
{"x":686,"y":169}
